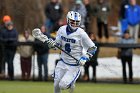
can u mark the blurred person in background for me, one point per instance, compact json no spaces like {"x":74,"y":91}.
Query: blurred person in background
{"x":126,"y":55}
{"x":88,"y":16}
{"x":42,"y":56}
{"x":9,"y":37}
{"x":26,"y":52}
{"x":92,"y":62}
{"x":6,"y":18}
{"x":132,"y":15}
{"x":123,"y":25}
{"x":101,"y":11}
{"x":53,"y":12}
{"x":123,"y":6}
{"x":80,"y":8}
{"x":1,"y":54}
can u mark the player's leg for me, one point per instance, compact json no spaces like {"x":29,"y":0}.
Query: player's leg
{"x":58,"y":74}
{"x":70,"y":78}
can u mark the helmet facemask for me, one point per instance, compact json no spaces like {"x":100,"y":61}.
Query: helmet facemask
{"x":74,"y":24}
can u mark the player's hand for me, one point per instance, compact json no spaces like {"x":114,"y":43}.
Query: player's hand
{"x":51,"y":43}
{"x":83,"y":60}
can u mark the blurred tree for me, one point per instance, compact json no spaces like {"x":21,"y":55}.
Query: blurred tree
{"x":30,"y":13}
{"x":2,"y":9}
{"x":25,"y":13}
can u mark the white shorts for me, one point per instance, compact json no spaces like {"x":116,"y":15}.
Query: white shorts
{"x":66,"y":75}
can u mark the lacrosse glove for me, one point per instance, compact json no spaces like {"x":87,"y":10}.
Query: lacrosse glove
{"x":51,"y":43}
{"x":83,"y":60}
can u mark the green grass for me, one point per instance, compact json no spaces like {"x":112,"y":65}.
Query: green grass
{"x":47,"y":87}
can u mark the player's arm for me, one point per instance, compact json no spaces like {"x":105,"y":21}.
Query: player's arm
{"x":86,"y":57}
{"x":88,"y":44}
{"x":90,"y":47}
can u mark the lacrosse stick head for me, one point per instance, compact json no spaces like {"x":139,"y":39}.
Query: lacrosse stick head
{"x":39,"y":35}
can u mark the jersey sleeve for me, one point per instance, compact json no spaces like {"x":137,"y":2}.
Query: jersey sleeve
{"x":86,"y":41}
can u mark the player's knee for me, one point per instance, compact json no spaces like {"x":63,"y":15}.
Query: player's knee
{"x":63,"y":85}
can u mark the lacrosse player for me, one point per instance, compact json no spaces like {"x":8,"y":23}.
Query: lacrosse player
{"x":73,"y":40}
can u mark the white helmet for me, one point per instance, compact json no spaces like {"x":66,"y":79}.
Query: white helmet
{"x":73,"y":19}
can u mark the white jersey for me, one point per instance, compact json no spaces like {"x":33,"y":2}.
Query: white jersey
{"x":73,"y":43}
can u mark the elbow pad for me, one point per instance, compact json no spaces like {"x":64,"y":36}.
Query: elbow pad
{"x":91,"y":51}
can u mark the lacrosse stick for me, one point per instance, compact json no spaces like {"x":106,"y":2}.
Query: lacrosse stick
{"x":40,"y":36}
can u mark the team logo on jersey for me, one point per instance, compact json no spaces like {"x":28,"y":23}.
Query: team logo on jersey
{"x":68,"y":39}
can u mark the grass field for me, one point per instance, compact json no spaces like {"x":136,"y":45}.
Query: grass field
{"x":47,"y":87}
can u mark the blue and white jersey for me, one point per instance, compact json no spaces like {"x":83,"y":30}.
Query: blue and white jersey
{"x":73,"y":43}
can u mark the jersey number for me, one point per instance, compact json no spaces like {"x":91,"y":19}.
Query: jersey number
{"x":67,"y":47}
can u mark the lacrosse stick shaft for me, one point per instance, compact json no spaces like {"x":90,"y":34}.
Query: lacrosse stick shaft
{"x":66,"y":53}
